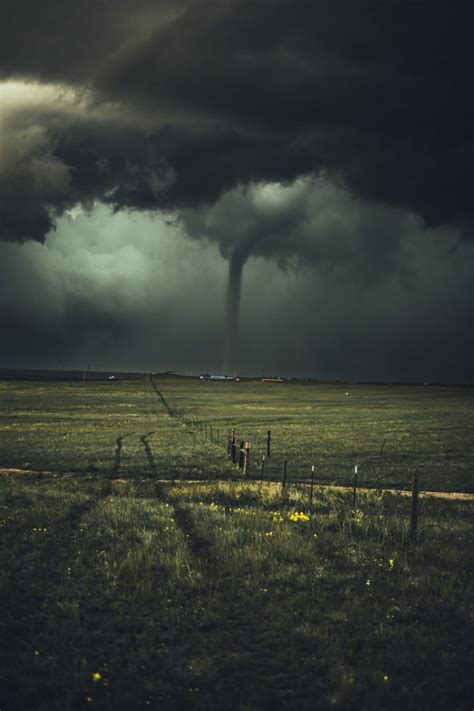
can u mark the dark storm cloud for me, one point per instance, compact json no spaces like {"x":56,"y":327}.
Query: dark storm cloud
{"x":376,"y":94}
{"x":322,"y":136}
{"x":66,"y":40}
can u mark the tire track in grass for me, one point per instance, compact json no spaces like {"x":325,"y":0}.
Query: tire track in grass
{"x":33,"y":582}
{"x":200,"y":547}
{"x":222,"y":631}
{"x":117,"y":457}
{"x":221,"y":641}
{"x":30,"y":590}
{"x":162,"y":398}
{"x":149,"y":454}
{"x":117,"y":463}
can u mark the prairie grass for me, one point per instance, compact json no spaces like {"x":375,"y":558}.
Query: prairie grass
{"x":140,"y":571}
{"x":388,"y":431}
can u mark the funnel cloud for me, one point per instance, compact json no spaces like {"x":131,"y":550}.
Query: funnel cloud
{"x":237,"y":261}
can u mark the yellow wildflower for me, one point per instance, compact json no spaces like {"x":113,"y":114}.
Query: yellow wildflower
{"x":386,"y":677}
{"x":391,"y":564}
{"x":96,"y":676}
{"x":299,"y":516}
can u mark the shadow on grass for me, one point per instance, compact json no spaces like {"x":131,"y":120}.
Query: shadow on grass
{"x":33,"y":577}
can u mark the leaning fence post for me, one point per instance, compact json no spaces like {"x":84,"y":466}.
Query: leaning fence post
{"x":354,"y":493}
{"x":414,"y":506}
{"x":269,"y":443}
{"x":311,"y":490}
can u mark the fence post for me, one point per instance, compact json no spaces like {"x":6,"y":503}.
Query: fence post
{"x":263,"y":469}
{"x":247,"y":448}
{"x":414,"y":507}
{"x":354,"y":494}
{"x":285,"y":472}
{"x":311,"y":490}
{"x":231,"y":440}
{"x":241,"y":454}
{"x":269,"y":443}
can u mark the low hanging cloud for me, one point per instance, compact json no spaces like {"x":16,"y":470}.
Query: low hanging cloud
{"x":308,"y":222}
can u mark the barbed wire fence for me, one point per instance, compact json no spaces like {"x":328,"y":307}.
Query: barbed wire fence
{"x":256,"y":462}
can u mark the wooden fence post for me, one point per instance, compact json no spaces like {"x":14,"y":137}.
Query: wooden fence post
{"x":262,"y":473}
{"x":233,"y":451}
{"x":414,"y":507}
{"x":247,"y":448}
{"x":241,"y":454}
{"x":354,"y":493}
{"x":269,"y":443}
{"x":231,"y":440}
{"x":311,"y":490}
{"x":285,"y":472}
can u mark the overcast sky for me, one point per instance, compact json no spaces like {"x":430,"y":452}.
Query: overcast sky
{"x":324,"y":150}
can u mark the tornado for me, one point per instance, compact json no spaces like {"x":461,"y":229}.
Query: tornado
{"x":234,"y":288}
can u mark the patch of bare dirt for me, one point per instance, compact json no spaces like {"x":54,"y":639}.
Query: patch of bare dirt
{"x":13,"y":470}
{"x":451,"y":495}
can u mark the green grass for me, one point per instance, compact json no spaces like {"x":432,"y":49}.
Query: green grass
{"x":208,"y":595}
{"x":151,"y":563}
{"x":389,"y":431}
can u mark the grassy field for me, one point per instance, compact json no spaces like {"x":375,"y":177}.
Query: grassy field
{"x":388,"y":431}
{"x":140,"y":570}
